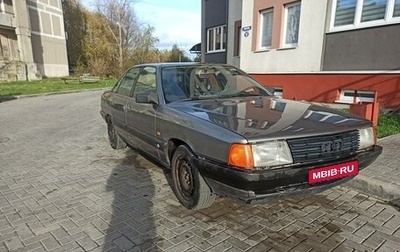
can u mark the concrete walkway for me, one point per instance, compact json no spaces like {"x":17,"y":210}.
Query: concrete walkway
{"x":382,"y":178}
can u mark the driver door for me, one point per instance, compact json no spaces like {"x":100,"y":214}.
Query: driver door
{"x":141,"y":117}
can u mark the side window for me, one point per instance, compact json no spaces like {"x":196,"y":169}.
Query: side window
{"x":127,"y":82}
{"x":146,"y":82}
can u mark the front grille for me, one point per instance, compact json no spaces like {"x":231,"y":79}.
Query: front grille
{"x":323,"y":147}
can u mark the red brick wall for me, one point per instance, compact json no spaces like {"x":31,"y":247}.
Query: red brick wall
{"x":326,"y":87}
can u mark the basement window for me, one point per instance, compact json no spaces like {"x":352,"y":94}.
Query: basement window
{"x":356,"y":96}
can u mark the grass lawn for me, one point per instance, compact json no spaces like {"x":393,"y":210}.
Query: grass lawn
{"x":49,"y":85}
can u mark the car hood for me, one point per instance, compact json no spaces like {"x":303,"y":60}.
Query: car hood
{"x":270,"y":117}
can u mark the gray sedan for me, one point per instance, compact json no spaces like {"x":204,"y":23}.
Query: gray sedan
{"x":222,"y":133}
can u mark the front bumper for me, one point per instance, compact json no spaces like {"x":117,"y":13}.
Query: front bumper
{"x":257,"y":186}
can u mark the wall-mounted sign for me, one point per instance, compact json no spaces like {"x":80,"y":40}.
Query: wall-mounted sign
{"x":246,"y":28}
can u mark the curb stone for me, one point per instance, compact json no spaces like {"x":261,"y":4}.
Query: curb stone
{"x":15,"y":97}
{"x":380,"y":179}
{"x":375,"y":188}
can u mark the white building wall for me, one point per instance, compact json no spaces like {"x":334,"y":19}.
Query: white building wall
{"x":306,"y":57}
{"x":48,"y":37}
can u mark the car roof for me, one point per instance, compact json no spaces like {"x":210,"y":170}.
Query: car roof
{"x":172,"y":64}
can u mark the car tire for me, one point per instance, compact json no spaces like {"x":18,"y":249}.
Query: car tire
{"x":189,"y":186}
{"x":115,"y":140}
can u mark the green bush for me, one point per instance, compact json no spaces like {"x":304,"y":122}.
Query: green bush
{"x":388,"y":124}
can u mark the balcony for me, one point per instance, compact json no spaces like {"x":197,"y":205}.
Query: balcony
{"x":7,"y":20}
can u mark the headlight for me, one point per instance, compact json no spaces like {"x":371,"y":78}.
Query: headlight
{"x":248,"y":156}
{"x":367,"y":137}
{"x":271,"y":153}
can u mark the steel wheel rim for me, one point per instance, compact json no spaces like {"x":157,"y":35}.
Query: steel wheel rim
{"x":185,"y":179}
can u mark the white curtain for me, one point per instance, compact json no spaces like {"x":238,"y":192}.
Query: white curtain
{"x":292,"y":25}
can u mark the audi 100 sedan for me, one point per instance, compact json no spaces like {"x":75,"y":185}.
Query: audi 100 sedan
{"x":222,"y":133}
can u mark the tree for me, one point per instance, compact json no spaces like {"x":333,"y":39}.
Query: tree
{"x":109,"y":39}
{"x":75,"y":26}
{"x":121,"y":23}
{"x":144,"y":50}
{"x":197,"y":59}
{"x":99,"y":46}
{"x":178,"y":55}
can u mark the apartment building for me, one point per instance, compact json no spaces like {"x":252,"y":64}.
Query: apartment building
{"x":32,"y":40}
{"x":342,"y":51}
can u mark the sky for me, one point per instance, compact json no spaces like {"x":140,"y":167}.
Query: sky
{"x":175,"y":21}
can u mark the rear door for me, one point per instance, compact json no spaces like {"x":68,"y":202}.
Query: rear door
{"x":141,"y":117}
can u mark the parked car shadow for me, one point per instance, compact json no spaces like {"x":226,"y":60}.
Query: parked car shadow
{"x":131,"y":223}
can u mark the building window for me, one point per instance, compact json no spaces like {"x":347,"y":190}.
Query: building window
{"x":266,"y":28}
{"x":345,"y":12}
{"x":292,"y":18}
{"x":45,"y":23}
{"x":353,"y":14}
{"x":8,"y":46}
{"x":396,"y":11}
{"x":356,"y":96}
{"x":373,"y":10}
{"x":216,"y":39}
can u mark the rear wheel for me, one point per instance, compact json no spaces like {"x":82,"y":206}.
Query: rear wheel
{"x":189,"y":186}
{"x":115,"y":140}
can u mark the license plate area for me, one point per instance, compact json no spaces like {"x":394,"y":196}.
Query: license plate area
{"x":331,"y":172}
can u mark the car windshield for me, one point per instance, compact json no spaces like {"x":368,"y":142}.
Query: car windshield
{"x":194,"y":82}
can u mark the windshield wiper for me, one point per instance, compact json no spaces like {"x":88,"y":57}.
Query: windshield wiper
{"x":193,"y":98}
{"x":203,"y":97}
{"x":239,"y":94}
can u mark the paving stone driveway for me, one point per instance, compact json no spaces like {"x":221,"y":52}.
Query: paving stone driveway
{"x":63,"y":188}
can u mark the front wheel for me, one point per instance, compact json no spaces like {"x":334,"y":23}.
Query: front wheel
{"x":115,"y":140}
{"x":189,"y":186}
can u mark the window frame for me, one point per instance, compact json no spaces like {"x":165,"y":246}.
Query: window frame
{"x":222,"y":37}
{"x":284,"y":33}
{"x":357,"y":24}
{"x":262,"y":30}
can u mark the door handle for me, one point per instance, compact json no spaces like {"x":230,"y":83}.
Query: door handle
{"x":127,"y":107}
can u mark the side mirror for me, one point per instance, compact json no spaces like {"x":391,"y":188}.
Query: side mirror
{"x":146,"y":98}
{"x":276,"y":91}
